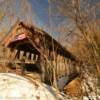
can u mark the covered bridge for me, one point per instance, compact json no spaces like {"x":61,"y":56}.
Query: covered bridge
{"x":34,"y":44}
{"x":31,"y":39}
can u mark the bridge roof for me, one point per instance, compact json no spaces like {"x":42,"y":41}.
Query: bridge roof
{"x":13,"y":37}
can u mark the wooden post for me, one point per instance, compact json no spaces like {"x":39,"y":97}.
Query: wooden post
{"x":8,"y":53}
{"x":66,"y":67}
{"x":14,"y":53}
{"x":36,"y":57}
{"x":21,"y":55}
{"x":27,"y":55}
{"x":32,"y":57}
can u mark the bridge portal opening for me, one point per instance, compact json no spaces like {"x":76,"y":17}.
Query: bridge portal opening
{"x":25,"y":46}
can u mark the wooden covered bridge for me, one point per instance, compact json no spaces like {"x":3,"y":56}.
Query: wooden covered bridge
{"x":30,"y":45}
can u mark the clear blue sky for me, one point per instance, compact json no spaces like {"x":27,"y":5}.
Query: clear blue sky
{"x":41,"y":8}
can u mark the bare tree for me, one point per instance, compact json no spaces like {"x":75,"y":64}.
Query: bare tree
{"x":84,"y":17}
{"x":10,"y":12}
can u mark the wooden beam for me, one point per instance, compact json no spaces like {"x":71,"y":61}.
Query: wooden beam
{"x":8,"y":53}
{"x":13,"y":54}
{"x":32,"y":57}
{"x":27,"y":55}
{"x":21,"y":54}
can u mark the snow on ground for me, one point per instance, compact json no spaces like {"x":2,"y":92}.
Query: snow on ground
{"x":15,"y":87}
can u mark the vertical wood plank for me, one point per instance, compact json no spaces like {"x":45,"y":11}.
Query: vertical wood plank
{"x":8,"y":53}
{"x":27,"y":55}
{"x":21,"y":54}
{"x":32,"y":57}
{"x":14,"y":52}
{"x":36,"y":57}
